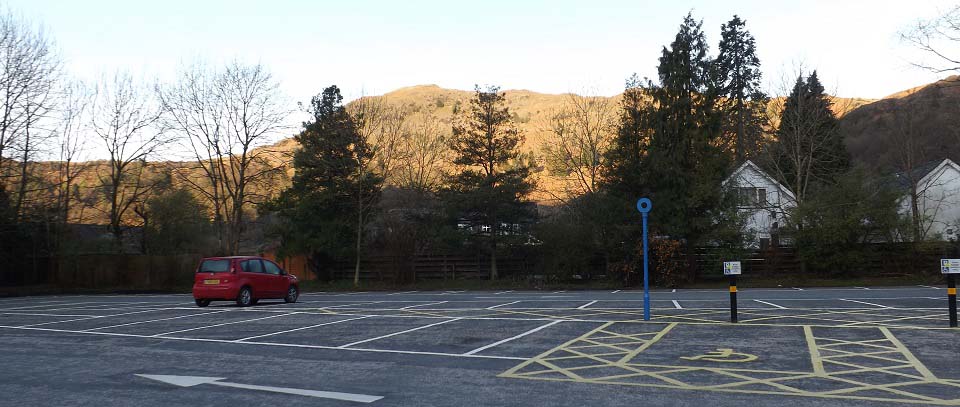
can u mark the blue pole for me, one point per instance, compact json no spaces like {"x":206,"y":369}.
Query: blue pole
{"x":646,"y":282}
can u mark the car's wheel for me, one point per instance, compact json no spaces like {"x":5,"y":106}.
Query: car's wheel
{"x":202,"y":303}
{"x":245,"y":297}
{"x":292,"y":294}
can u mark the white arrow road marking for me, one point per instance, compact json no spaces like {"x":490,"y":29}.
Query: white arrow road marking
{"x":190,"y":381}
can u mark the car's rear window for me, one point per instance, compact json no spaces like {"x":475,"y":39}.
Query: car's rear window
{"x":214,"y":266}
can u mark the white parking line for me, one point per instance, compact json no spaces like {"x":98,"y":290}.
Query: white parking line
{"x":350,"y":305}
{"x":288,"y":345}
{"x":865,"y":303}
{"x":771,"y":304}
{"x":558,"y":292}
{"x":424,"y":305}
{"x":70,"y":305}
{"x":34,"y":314}
{"x":615,"y":291}
{"x":301,"y":328}
{"x":94,"y":317}
{"x":798,"y":289}
{"x":502,"y":305}
{"x":584,"y":306}
{"x":503,"y":292}
{"x":673,"y":290}
{"x":225,"y":323}
{"x":929,"y":286}
{"x":676,"y":304}
{"x":501,"y":342}
{"x":862,"y":288}
{"x":404,"y":292}
{"x":155,"y":320}
{"x":398,"y":333}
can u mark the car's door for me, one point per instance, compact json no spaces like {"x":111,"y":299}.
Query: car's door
{"x":278,"y":281}
{"x":258,"y":280}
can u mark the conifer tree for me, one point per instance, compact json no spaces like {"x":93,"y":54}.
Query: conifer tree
{"x":742,"y":103}
{"x":809,"y":151}
{"x":322,"y":202}
{"x":493,"y":180}
{"x":684,"y":166}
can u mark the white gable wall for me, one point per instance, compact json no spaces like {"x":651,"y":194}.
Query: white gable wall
{"x":760,"y":219}
{"x":938,"y":201}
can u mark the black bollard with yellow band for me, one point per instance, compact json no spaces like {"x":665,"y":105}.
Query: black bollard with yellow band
{"x":952,"y":299}
{"x":950,"y":268}
{"x":731,"y":269}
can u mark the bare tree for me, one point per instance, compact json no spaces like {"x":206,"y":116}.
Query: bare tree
{"x":912,"y":158}
{"x":193,"y":109}
{"x":226,"y":116}
{"x":383,"y":127}
{"x":581,"y":133}
{"x":29,"y":71}
{"x":124,"y":118}
{"x":937,"y":37}
{"x":71,"y":136}
{"x":38,"y":127}
{"x":426,"y":151}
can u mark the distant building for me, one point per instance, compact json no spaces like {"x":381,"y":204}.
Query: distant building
{"x":937,"y":193}
{"x":763,"y":201}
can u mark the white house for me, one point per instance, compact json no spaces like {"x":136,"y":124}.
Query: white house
{"x":763,"y":201}
{"x":938,"y":199}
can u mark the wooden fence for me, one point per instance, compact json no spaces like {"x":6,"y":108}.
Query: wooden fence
{"x":146,"y":272}
{"x":126,"y":271}
{"x":431,"y":267}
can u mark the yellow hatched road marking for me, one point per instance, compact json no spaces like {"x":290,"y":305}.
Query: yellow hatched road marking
{"x":927,"y":374}
{"x":837,"y":352}
{"x":646,"y":344}
{"x":814,"y":352}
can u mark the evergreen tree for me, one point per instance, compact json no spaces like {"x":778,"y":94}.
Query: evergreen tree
{"x":629,"y":149}
{"x":323,"y":197}
{"x":489,"y":190}
{"x":742,"y":103}
{"x":809,"y":151}
{"x":684,"y":168}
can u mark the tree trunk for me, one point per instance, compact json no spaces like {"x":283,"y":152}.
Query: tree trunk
{"x":493,"y":263}
{"x":494,"y":275}
{"x":356,"y":270}
{"x":917,"y":225}
{"x":18,"y":209}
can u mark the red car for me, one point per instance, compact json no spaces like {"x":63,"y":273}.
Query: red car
{"x":244,"y":279}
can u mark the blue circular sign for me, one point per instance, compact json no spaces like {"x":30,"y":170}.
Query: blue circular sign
{"x":644,"y":205}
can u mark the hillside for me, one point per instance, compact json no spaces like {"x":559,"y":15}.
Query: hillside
{"x":531,"y":111}
{"x":907,"y":128}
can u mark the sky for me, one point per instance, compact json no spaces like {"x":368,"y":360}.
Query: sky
{"x":555,"y":46}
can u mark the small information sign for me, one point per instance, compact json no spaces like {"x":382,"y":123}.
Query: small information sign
{"x":732,"y":268}
{"x":950,"y":266}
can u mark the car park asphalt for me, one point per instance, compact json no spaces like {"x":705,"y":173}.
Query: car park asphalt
{"x":857,"y":346}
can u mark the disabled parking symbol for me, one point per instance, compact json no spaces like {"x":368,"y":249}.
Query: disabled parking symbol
{"x":723,"y":355}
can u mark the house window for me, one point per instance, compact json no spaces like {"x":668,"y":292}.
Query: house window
{"x":753,"y":197}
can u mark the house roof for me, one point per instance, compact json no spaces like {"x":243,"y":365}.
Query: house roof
{"x":903,"y":179}
{"x":751,"y":165}
{"x":938,"y":169}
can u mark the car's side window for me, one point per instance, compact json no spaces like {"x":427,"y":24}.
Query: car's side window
{"x":271,"y":267}
{"x":251,"y":266}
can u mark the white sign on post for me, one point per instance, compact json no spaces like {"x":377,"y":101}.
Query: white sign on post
{"x":732,"y":268}
{"x":950,"y":266}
